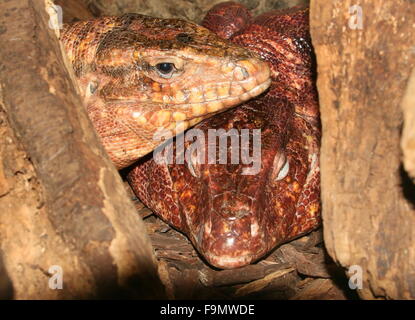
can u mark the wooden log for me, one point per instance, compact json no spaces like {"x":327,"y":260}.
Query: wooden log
{"x":365,"y":56}
{"x":63,"y":202}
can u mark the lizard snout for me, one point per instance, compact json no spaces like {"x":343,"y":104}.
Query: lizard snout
{"x":253,"y":75}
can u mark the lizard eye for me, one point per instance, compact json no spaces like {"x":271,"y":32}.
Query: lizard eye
{"x":165,"y":69}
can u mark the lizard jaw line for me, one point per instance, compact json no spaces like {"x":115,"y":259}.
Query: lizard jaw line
{"x":242,"y":97}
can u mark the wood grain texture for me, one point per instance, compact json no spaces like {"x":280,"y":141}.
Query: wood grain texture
{"x":368,"y":211}
{"x":75,"y":213}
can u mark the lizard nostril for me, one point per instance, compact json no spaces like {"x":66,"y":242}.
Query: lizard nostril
{"x":246,"y":74}
{"x":252,"y":72}
{"x":240,"y":73}
{"x":249,"y":66}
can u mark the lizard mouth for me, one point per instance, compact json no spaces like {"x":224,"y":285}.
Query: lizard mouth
{"x":228,"y":100}
{"x":205,"y":108}
{"x":221,"y":104}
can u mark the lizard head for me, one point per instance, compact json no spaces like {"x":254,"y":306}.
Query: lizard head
{"x":140,"y":76}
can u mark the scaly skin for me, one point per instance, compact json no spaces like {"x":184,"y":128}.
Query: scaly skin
{"x":234,"y":219}
{"x":130,"y":101}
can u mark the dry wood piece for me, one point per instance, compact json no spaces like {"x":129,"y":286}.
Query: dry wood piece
{"x":66,"y":204}
{"x":210,"y":277}
{"x":319,"y":289}
{"x":258,"y":285}
{"x":165,"y":278}
{"x":365,"y":55}
{"x":408,"y":134}
{"x":310,"y":264}
{"x":313,"y":239}
{"x":4,"y":184}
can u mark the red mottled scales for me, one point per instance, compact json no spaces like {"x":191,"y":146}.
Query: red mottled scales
{"x":226,"y":18}
{"x":232,"y":218}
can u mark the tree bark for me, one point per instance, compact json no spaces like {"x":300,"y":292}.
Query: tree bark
{"x":364,"y":63}
{"x":62,"y":202}
{"x":74,"y":10}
